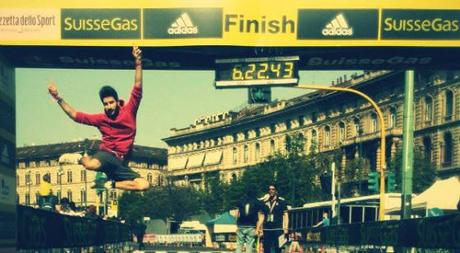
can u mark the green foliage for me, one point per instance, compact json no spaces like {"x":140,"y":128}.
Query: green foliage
{"x":131,"y":206}
{"x":424,"y":173}
{"x":161,"y":202}
{"x":294,"y":173}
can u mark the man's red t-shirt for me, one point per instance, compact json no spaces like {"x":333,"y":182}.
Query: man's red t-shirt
{"x":117,"y":134}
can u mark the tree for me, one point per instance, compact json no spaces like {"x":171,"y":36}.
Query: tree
{"x":423,"y":175}
{"x":163,"y":202}
{"x":131,"y":206}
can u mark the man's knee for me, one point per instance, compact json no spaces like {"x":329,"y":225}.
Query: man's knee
{"x":91,"y":163}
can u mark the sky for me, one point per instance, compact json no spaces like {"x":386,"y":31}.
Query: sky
{"x":171,"y":99}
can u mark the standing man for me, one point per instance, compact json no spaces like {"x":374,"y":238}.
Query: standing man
{"x":118,"y":128}
{"x":275,"y":220}
{"x":247,"y":213}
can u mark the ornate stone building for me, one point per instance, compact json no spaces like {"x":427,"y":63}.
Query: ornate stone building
{"x":73,"y":181}
{"x":225,"y":144}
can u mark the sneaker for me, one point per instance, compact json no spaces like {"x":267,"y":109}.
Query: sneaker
{"x":70,"y":158}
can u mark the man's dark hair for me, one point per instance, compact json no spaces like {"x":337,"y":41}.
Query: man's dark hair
{"x":108,"y":91}
{"x":272,"y":185}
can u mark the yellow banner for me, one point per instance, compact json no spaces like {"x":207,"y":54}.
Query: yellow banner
{"x":243,"y":23}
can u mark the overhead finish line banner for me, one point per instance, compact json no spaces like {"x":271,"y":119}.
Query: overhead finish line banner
{"x":237,"y":22}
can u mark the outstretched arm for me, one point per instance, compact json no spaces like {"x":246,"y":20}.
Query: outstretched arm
{"x":69,"y":110}
{"x":137,"y":54}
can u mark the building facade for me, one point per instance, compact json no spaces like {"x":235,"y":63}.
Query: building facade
{"x":74,"y":181}
{"x":224,"y":145}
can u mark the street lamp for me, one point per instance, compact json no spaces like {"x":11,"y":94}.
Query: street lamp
{"x":59,"y":174}
{"x":382,"y":135}
{"x":28,"y":183}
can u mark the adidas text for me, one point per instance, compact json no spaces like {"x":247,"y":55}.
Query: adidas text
{"x":183,"y":30}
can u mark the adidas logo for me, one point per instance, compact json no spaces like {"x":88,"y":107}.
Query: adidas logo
{"x":183,"y":25}
{"x":338,"y":27}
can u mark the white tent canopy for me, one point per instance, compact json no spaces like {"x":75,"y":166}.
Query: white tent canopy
{"x":443,"y":194}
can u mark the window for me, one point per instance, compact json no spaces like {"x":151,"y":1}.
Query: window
{"x":246,"y":154}
{"x":69,"y":176}
{"x":272,"y":146}
{"x":288,"y":124}
{"x":235,"y":156}
{"x":428,"y":108}
{"x":374,"y":123}
{"x":83,"y":176}
{"x":28,"y":179}
{"x":314,"y":117}
{"x":235,"y":137}
{"x":342,"y":132}
{"x":257,"y":152}
{"x":27,"y":199}
{"x":357,"y":127}
{"x":149,"y":178}
{"x":59,"y":177}
{"x":37,"y":196}
{"x":287,"y":142}
{"x":427,"y":148}
{"x":69,"y":195}
{"x":449,"y":104}
{"x":257,"y":132}
{"x":273,"y":128}
{"x":160,"y":180}
{"x":448,"y":145}
{"x":327,"y":136}
{"x":392,"y":119}
{"x":37,"y":178}
{"x":301,"y":121}
{"x":82,"y":197}
{"x":314,"y":141}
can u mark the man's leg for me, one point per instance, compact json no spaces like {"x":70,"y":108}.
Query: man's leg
{"x":137,"y":184}
{"x":239,"y":240}
{"x":268,"y":241}
{"x":250,"y":240}
{"x":90,"y":163}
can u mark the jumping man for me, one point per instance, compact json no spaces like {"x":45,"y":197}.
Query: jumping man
{"x":118,"y":128}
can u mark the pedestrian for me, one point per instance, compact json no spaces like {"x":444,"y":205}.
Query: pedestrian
{"x":118,"y":128}
{"x":46,"y":200}
{"x":247,"y":214}
{"x":139,"y":231}
{"x":275,"y":220}
{"x":324,"y":222}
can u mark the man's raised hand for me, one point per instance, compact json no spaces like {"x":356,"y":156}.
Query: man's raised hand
{"x":52,"y":89}
{"x":137,"y":53}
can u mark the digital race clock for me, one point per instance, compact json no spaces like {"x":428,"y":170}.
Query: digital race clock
{"x":245,"y":72}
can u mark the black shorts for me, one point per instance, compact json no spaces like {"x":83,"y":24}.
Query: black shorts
{"x":114,"y":168}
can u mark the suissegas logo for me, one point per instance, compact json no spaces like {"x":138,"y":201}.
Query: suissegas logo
{"x":420,"y":25}
{"x":97,"y":24}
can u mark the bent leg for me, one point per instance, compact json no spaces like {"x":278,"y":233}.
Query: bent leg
{"x":137,"y":184}
{"x":90,"y":163}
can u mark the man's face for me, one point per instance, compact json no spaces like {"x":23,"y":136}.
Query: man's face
{"x":271,"y":191}
{"x":110,"y":106}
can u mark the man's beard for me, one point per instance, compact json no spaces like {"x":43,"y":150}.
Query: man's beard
{"x":112,"y":113}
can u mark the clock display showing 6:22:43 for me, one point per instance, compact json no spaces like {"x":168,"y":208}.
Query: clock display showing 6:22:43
{"x":263,"y":70}
{"x":245,"y":72}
